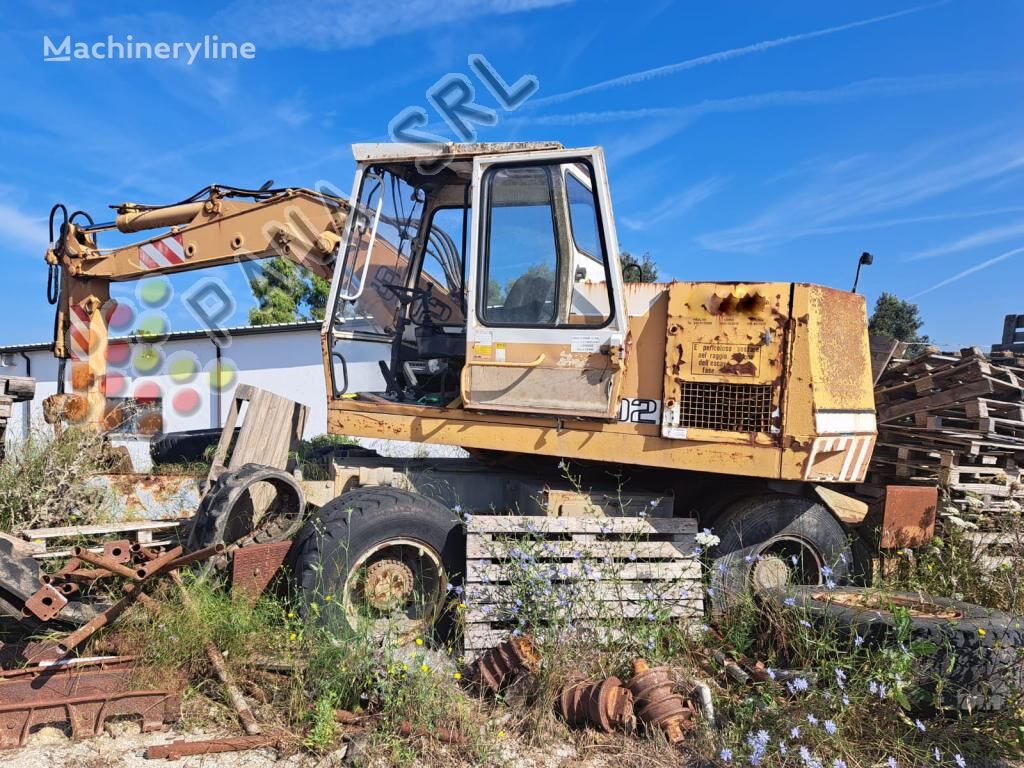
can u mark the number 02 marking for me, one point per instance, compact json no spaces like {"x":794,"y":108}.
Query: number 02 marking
{"x":639,"y":410}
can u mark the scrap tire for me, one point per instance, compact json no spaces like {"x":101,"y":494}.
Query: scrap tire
{"x":979,"y":656}
{"x":345,"y":529}
{"x":757,"y":526}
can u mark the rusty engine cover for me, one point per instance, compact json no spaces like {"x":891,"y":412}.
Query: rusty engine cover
{"x":724,"y":360}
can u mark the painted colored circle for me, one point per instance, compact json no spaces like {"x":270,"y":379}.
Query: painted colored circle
{"x":183,"y":367}
{"x":222,"y":377}
{"x":153,"y":327}
{"x":147,"y":390}
{"x":118,"y":352}
{"x":147,"y":359}
{"x":186,"y":401}
{"x":114,"y":385}
{"x":121,"y":318}
{"x":154,"y":291}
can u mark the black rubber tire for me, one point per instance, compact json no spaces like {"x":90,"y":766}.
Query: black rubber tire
{"x":751,"y":525}
{"x":346,"y":528}
{"x":979,"y":656}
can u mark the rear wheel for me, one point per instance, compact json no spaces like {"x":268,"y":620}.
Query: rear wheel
{"x":379,"y":560}
{"x":771,"y":541}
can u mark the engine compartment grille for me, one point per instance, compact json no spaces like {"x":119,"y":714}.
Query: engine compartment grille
{"x":726,"y":407}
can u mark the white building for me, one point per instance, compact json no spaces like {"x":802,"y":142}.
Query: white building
{"x":283,"y":358}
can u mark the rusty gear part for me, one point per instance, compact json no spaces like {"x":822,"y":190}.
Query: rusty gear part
{"x":505,"y":664}
{"x":656,"y":704}
{"x":605,"y":704}
{"x":389,"y":582}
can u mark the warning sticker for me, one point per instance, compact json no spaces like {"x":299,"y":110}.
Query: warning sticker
{"x":482,"y":345}
{"x":713,"y":359}
{"x":585,"y":342}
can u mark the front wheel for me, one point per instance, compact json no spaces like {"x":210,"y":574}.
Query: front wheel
{"x":771,"y":541}
{"x":379,"y":560}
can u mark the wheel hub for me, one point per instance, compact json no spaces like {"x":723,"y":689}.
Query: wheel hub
{"x":770,"y":572}
{"x":389,"y":584}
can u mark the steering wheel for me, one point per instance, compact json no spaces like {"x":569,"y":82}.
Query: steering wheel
{"x":407,"y":295}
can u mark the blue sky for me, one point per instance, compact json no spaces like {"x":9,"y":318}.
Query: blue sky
{"x":745,"y":140}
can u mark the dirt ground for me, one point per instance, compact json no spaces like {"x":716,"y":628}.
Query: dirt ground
{"x":123,"y":745}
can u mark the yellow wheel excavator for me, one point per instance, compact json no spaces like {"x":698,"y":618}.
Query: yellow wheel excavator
{"x":489,"y":278}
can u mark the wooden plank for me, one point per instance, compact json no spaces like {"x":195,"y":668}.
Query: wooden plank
{"x":547,"y":525}
{"x":479,"y":549}
{"x":77,"y":531}
{"x":603,"y":591}
{"x":487,"y":571}
{"x":613,"y":609}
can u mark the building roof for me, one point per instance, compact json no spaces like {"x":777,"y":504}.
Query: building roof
{"x":239,"y":330}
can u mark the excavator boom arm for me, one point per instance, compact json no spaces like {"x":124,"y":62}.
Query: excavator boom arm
{"x":221,"y":227}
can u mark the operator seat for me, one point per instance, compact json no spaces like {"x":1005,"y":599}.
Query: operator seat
{"x":529,"y":301}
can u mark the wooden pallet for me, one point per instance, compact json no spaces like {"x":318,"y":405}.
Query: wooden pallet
{"x":149,"y":532}
{"x":621,"y":567}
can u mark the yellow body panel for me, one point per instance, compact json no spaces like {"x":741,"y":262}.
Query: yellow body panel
{"x":803,"y":347}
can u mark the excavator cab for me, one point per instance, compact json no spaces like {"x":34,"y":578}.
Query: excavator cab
{"x":489,"y":273}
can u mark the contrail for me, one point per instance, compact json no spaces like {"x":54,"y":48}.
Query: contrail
{"x":732,"y":53}
{"x":970,"y":271}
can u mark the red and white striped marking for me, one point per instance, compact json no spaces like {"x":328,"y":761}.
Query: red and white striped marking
{"x":78,"y":333}
{"x":80,"y":328}
{"x":162,"y":253}
{"x":857,"y":452}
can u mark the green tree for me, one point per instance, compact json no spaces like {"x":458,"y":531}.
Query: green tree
{"x":897,"y":319}
{"x":638,"y":270}
{"x":286,"y":293}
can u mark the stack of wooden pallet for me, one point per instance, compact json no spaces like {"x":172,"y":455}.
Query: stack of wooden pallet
{"x":13,"y":389}
{"x":956,"y":419}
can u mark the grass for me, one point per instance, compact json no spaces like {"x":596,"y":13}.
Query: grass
{"x":833,"y":702}
{"x":40,"y":474}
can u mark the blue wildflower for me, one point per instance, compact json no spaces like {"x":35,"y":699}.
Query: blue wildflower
{"x":830,"y":728}
{"x":725,"y":755}
{"x":920,"y":726}
{"x":811,"y":718}
{"x":789,"y":602}
{"x":959,"y":760}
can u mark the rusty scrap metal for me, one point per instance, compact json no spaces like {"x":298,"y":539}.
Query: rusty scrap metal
{"x":505,"y":664}
{"x":444,"y":735}
{"x":106,"y":563}
{"x":177,"y":749}
{"x":656,"y":704}
{"x":82,"y":695}
{"x":908,"y":516}
{"x":605,"y":704}
{"x":255,"y":566}
{"x":46,"y":603}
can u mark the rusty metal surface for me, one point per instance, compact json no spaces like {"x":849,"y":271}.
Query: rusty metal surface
{"x":656,"y":704}
{"x":908,"y":515}
{"x":503,"y":665}
{"x":255,"y":566}
{"x":605,"y":704}
{"x":178,"y":749}
{"x":46,"y":603}
{"x":83,"y":696}
{"x":149,"y":497}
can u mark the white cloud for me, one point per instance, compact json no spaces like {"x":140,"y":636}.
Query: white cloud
{"x":731,"y":53}
{"x":970,"y":271}
{"x":25,"y":232}
{"x":976,"y":240}
{"x":334,"y":24}
{"x":676,"y":205}
{"x":848,"y":194}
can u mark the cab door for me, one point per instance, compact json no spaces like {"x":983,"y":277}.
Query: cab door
{"x":546,"y":318}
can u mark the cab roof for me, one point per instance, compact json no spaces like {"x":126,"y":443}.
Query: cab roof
{"x":392,"y":151}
